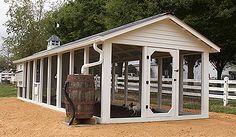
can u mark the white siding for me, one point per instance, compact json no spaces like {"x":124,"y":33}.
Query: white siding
{"x":165,"y":34}
{"x":19,"y":74}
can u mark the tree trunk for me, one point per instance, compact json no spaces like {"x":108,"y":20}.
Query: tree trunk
{"x":191,"y":60}
{"x":219,"y":73}
{"x":120,"y":67}
{"x":190,"y":69}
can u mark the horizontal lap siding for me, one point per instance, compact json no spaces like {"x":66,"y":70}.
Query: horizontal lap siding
{"x":162,"y":34}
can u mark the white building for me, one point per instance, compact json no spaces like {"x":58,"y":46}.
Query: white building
{"x":162,"y":37}
{"x":8,"y":76}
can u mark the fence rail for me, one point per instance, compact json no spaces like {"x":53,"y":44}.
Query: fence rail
{"x":221,"y":89}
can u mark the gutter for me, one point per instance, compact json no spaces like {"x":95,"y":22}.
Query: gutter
{"x":62,"y":49}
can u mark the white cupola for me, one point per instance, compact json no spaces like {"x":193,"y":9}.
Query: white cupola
{"x":53,"y":41}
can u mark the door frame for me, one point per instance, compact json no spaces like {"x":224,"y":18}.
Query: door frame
{"x":175,"y":82}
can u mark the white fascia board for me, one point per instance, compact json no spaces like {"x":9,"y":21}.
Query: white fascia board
{"x":195,"y":33}
{"x":64,"y":48}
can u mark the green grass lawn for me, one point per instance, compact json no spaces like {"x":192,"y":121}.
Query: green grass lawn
{"x":216,"y":105}
{"x":7,"y":90}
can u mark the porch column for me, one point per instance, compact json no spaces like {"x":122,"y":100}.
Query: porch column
{"x":113,"y":81}
{"x":159,"y":93}
{"x":34,"y":78}
{"x":140,"y":81}
{"x":126,"y":84}
{"x":49,"y":80}
{"x":86,"y":59}
{"x":106,"y":82}
{"x":205,"y":85}
{"x":175,"y":80}
{"x":181,"y":82}
{"x":71,"y":67}
{"x":28,"y":80}
{"x":59,"y":78}
{"x":144,"y":93}
{"x":41,"y":81}
{"x":24,"y":80}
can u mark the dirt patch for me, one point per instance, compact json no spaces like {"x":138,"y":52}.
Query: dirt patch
{"x":21,"y":119}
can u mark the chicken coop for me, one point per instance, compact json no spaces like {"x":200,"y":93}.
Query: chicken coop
{"x":150,"y":63}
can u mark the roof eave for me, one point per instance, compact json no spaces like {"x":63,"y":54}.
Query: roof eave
{"x":74,"y":45}
{"x":59,"y":50}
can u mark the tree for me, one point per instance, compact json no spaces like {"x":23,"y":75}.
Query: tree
{"x":26,"y":28}
{"x":3,"y":63}
{"x":120,"y":12}
{"x":215,"y":19}
{"x":78,"y":19}
{"x":132,"y":69}
{"x":29,"y":26}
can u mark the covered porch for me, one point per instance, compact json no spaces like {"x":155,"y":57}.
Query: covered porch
{"x":45,"y":78}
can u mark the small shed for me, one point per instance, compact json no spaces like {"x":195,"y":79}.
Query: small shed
{"x":162,"y":41}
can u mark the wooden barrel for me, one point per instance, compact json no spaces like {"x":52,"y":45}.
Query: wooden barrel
{"x":82,"y":93}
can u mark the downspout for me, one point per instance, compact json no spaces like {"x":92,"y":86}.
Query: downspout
{"x":95,"y":47}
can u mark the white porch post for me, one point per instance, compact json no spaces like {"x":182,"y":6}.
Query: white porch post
{"x":126,"y":84}
{"x":71,"y":67}
{"x":24,"y":80}
{"x":28,"y":80}
{"x":113,"y":81}
{"x":49,"y":80}
{"x":86,"y":59}
{"x":34,"y":78}
{"x":144,"y":102}
{"x":106,"y":80}
{"x":159,"y":93}
{"x":41,"y":81}
{"x":205,"y":85}
{"x":59,"y":78}
{"x":181,"y":82}
{"x":175,"y":80}
{"x":140,"y":81}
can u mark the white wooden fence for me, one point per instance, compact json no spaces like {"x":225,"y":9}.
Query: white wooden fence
{"x":221,"y":89}
{"x":11,"y":77}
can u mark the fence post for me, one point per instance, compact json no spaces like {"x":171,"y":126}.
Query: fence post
{"x":116,"y":83}
{"x":226,"y":87}
{"x":96,"y":81}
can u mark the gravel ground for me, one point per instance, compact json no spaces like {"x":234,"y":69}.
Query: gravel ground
{"x":21,"y":119}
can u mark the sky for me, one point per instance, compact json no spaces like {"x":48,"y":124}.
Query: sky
{"x":3,"y":18}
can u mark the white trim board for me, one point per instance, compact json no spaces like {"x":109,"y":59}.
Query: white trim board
{"x":43,"y":105}
{"x":123,"y":120}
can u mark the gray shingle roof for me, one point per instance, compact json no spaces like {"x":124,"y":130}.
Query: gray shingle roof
{"x":109,"y":31}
